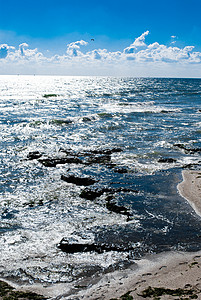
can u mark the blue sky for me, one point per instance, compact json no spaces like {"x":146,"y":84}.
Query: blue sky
{"x":50,"y":25}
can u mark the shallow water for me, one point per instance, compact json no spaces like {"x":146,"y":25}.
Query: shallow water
{"x":143,"y":117}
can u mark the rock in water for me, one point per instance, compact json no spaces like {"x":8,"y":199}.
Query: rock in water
{"x":52,"y":162}
{"x":167,"y":160}
{"x":65,"y":246}
{"x":34,"y":155}
{"x":78,"y":180}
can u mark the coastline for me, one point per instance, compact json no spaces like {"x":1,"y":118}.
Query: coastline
{"x":190,"y":189}
{"x":165,"y":273}
{"x":171,"y":272}
{"x":169,"y":275}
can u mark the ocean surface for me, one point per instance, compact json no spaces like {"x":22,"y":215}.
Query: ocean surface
{"x":124,"y":133}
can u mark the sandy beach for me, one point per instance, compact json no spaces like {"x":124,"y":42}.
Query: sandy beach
{"x":190,"y":189}
{"x":166,"y":276}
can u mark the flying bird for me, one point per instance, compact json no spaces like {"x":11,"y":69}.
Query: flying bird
{"x":92,"y":40}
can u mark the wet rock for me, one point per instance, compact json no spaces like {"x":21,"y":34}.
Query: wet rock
{"x":188,"y":150}
{"x":92,"y":194}
{"x":86,"y":119}
{"x":89,"y":194}
{"x":34,"y":155}
{"x":192,"y":166}
{"x":99,"y":159}
{"x":65,"y":246}
{"x":93,"y":152}
{"x":78,"y":180}
{"x":113,"y":207}
{"x":61,"y":122}
{"x":50,"y":95}
{"x":97,"y":156}
{"x":52,"y":162}
{"x":106,"y":151}
{"x":167,"y":160}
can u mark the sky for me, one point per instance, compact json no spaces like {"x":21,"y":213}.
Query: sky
{"x":108,"y":37}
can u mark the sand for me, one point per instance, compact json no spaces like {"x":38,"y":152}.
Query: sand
{"x":190,"y":189}
{"x":168,"y":270}
{"x":171,"y":270}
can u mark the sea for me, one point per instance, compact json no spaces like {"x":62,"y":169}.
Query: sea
{"x":132,"y":136}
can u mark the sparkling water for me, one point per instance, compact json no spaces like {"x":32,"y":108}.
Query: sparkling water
{"x":51,"y":116}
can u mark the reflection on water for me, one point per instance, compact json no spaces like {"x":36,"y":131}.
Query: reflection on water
{"x":84,"y":119}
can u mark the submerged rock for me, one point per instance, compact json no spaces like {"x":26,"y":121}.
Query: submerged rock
{"x":167,"y":160}
{"x":93,"y":152}
{"x":78,"y":180}
{"x":99,"y":159}
{"x":106,"y":151}
{"x":113,"y":207}
{"x":61,"y":122}
{"x":50,"y":95}
{"x":34,"y":155}
{"x":100,"y":156}
{"x":188,"y":150}
{"x":52,"y":162}
{"x":89,"y":194}
{"x":92,"y":194}
{"x":65,"y":246}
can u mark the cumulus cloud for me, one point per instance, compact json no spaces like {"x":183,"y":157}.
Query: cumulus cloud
{"x":21,"y":48}
{"x":139,"y":53}
{"x":73,"y":48}
{"x":138,"y":44}
{"x":4,"y":48}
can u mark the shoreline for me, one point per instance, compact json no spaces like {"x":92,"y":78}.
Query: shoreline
{"x":190,"y":189}
{"x":171,"y":270}
{"x":167,"y":270}
{"x":164,"y":274}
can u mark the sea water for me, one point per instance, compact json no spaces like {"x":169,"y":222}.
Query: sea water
{"x":145,"y":118}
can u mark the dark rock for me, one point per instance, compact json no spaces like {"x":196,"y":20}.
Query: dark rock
{"x":50,"y":95}
{"x":106,"y":151}
{"x":92,"y":194}
{"x":86,"y":119}
{"x":65,"y":246}
{"x":188,"y":150}
{"x":34,"y":155}
{"x":52,"y":162}
{"x":78,"y":180}
{"x":99,"y":159}
{"x":61,"y":122}
{"x":191,"y":166}
{"x":91,"y":152}
{"x":167,"y":160}
{"x":97,"y":156}
{"x":112,"y":206}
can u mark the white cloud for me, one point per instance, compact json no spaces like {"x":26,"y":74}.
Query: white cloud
{"x":138,"y":44}
{"x":73,"y":48}
{"x":4,"y":48}
{"x":137,"y":56}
